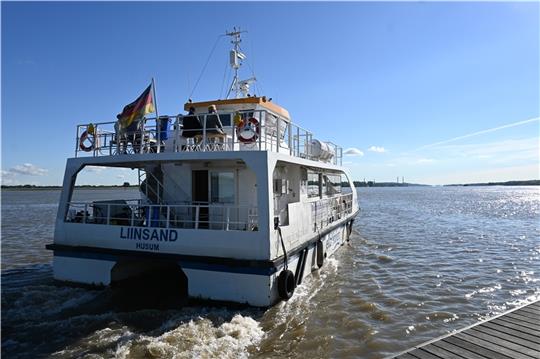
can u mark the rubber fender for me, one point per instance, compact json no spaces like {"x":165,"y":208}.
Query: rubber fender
{"x":286,"y":284}
{"x":320,"y":254}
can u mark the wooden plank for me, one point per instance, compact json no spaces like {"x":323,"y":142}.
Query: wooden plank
{"x":511,"y":338}
{"x":531,"y":327}
{"x":524,"y":318}
{"x":529,"y":314}
{"x":440,"y":352}
{"x":489,"y":345}
{"x":421,"y":354}
{"x":510,"y":331}
{"x":464,"y":353}
{"x":503,"y":343}
{"x":530,"y":310}
{"x":405,"y":356}
{"x":516,"y":325}
{"x":512,"y":335}
{"x":475,"y":348}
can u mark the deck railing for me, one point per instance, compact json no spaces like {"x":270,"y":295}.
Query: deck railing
{"x":167,"y":134}
{"x":188,"y":216}
{"x":328,"y":210}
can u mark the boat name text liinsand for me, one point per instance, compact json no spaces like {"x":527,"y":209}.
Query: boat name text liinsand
{"x":148,"y":234}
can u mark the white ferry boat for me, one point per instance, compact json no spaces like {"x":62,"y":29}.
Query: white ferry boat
{"x":237,"y":200}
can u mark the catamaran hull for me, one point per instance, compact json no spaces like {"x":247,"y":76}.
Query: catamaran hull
{"x":241,"y":281}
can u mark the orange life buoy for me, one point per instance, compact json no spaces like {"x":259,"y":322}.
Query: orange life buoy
{"x":91,"y":137}
{"x":248,"y":131}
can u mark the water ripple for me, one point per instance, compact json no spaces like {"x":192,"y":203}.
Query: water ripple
{"x":422,"y":262}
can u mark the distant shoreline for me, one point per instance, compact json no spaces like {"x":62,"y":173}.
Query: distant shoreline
{"x":344,"y":184}
{"x":507,"y":183}
{"x":44,"y":188}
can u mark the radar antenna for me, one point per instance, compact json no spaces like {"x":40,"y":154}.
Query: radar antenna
{"x":240,"y":87}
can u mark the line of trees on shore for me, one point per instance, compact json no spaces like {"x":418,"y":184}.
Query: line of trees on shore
{"x":343,"y":184}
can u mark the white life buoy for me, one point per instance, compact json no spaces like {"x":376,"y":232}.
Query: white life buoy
{"x":248,"y":131}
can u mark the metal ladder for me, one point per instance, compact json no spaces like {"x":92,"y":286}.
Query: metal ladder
{"x":153,"y":190}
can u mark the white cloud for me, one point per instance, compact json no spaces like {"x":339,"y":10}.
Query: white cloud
{"x":120,"y":176}
{"x":353,"y":152}
{"x":96,"y":169}
{"x":28,"y":169}
{"x":8,"y":178}
{"x":507,"y":152}
{"x":514,"y":124}
{"x":376,"y":149}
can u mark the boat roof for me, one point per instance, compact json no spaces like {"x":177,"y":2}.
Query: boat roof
{"x":261,"y":101}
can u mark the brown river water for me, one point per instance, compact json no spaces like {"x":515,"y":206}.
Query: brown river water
{"x":422,"y":261}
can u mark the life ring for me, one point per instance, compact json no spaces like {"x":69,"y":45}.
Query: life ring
{"x":91,"y":137}
{"x":286,"y":284}
{"x":248,"y":131}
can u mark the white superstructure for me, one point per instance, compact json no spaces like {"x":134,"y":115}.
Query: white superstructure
{"x":241,"y":202}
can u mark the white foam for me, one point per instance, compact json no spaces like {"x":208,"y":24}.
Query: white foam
{"x":197,"y":338}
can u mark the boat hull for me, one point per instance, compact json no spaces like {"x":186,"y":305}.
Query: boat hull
{"x":252,"y":282}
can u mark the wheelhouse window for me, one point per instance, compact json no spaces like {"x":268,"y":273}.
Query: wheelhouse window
{"x":333,"y":184}
{"x":222,"y":187}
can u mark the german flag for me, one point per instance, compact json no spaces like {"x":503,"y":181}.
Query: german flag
{"x":143,"y":105}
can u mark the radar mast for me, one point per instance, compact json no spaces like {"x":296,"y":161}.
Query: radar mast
{"x":239,"y":87}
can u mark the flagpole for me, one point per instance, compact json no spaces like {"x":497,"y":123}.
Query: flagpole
{"x":158,"y":124}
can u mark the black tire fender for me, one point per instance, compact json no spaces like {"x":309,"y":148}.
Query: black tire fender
{"x":320,"y":253}
{"x":286,"y":284}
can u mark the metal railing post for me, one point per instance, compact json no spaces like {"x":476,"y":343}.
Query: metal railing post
{"x":278,"y":135}
{"x":204,"y":133}
{"x":233,"y":127}
{"x":297,"y":141}
{"x":289,"y":129}
{"x":96,"y":140}
{"x":227,"y":218}
{"x":263,"y":125}
{"x":77,"y":141}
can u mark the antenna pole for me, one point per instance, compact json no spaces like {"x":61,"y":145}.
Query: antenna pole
{"x":236,"y":57}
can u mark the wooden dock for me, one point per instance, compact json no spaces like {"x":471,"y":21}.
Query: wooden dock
{"x":512,"y":335}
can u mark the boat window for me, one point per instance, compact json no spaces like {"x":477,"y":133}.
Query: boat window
{"x":333,"y":184}
{"x":222,"y":187}
{"x":313,"y":184}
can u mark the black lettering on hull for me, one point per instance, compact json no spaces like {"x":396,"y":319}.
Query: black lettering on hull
{"x":149,"y":234}
{"x":147,"y":246}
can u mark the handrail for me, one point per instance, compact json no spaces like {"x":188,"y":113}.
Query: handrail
{"x":276,"y":134}
{"x":328,"y":210}
{"x":217,"y":216}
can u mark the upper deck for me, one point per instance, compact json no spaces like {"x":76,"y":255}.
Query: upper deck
{"x":246,"y":124}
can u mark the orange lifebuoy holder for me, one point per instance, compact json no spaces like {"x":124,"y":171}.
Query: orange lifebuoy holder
{"x":88,"y":140}
{"x":248,"y":130}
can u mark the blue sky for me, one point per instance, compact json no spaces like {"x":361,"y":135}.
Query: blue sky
{"x":390,"y":81}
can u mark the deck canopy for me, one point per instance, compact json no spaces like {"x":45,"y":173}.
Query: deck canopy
{"x":244,"y":103}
